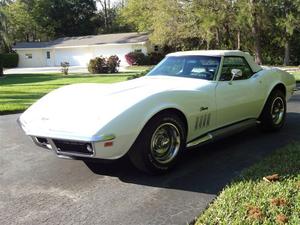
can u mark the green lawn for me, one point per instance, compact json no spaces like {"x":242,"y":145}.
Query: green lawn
{"x":18,"y":92}
{"x":252,"y":200}
{"x":139,"y":68}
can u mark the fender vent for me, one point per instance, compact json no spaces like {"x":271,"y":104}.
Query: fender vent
{"x":202,"y":121}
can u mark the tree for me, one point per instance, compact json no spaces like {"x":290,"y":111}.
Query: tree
{"x":4,"y":42}
{"x":21,"y":26}
{"x":105,"y":4}
{"x":107,"y":19}
{"x":286,"y":14}
{"x":66,"y":17}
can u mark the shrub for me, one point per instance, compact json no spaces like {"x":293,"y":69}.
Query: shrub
{"x":137,"y":58}
{"x":65,"y":68}
{"x":104,"y":65}
{"x":155,"y":58}
{"x":113,"y":62}
{"x":10,"y":60}
{"x":97,"y":65}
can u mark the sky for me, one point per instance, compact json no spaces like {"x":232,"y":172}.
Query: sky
{"x":112,"y":2}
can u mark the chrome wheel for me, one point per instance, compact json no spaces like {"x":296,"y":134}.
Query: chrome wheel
{"x":278,"y":110}
{"x":165,"y":143}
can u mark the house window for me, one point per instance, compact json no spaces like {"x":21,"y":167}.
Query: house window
{"x":28,"y":56}
{"x":48,"y":55}
{"x":156,"y":48}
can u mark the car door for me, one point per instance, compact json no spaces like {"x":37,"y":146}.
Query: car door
{"x":236,"y":99}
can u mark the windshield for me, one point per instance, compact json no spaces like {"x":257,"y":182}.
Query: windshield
{"x":201,"y":67}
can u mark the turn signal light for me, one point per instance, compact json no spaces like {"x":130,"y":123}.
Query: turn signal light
{"x":108,"y":144}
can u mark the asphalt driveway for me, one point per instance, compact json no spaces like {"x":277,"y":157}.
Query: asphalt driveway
{"x":38,"y":188}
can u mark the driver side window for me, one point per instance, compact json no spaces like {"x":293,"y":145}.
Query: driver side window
{"x":230,"y":63}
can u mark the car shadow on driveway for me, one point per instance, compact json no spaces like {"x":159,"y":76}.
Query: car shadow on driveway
{"x":211,"y":167}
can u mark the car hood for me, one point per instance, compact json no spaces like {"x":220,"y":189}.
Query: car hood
{"x":82,"y":109}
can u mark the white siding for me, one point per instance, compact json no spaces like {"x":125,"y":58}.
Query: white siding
{"x":74,"y":56}
{"x":38,"y":58}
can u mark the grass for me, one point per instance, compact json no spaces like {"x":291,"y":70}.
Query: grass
{"x":18,"y":92}
{"x":252,"y":200}
{"x":139,"y":68}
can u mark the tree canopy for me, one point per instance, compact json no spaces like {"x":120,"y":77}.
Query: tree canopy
{"x":267,"y":28}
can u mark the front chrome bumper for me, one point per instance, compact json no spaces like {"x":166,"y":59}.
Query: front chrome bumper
{"x":68,"y":148}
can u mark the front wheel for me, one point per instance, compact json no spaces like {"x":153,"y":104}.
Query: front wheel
{"x":160,"y":144}
{"x":274,"y":112}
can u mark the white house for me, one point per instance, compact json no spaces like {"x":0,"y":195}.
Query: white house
{"x":79,"y":50}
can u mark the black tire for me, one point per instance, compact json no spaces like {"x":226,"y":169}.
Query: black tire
{"x":142,"y":153}
{"x":268,"y":121}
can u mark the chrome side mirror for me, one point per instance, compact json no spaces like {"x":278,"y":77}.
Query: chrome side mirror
{"x":236,"y":73}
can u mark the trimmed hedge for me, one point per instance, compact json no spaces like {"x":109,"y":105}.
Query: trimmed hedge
{"x":9,"y":60}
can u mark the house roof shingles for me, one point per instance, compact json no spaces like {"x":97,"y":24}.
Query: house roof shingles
{"x":122,"y":38}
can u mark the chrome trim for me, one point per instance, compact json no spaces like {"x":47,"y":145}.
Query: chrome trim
{"x":107,"y":137}
{"x":66,"y":157}
{"x":278,"y":111}
{"x":165,"y":143}
{"x":20,"y":124}
{"x":199,"y":141}
{"x":234,"y":128}
{"x":48,"y":147}
{"x":62,"y":154}
{"x":222,"y":132}
{"x":73,"y":153}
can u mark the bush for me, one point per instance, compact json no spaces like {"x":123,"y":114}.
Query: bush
{"x":97,"y":65}
{"x":155,"y":58}
{"x":103,"y":65}
{"x":10,"y":60}
{"x":137,"y":59}
{"x":65,"y":68}
{"x":113,"y":62}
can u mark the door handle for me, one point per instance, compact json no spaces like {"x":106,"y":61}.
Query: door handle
{"x":203,"y":108}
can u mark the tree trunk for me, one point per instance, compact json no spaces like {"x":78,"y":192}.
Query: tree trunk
{"x":104,"y":5}
{"x":239,"y":40}
{"x":207,"y":45}
{"x":217,"y":38}
{"x":287,"y":54}
{"x":257,"y":47}
{"x":1,"y":67}
{"x":256,"y":34}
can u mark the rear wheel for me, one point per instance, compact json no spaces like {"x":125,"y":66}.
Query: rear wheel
{"x":274,"y":112}
{"x":160,"y":144}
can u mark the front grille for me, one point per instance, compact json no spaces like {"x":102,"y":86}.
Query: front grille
{"x":73,"y":147}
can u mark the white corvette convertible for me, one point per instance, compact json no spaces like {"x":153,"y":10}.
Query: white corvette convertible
{"x":188,"y":99}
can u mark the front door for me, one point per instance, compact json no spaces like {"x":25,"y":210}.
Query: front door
{"x":237,"y":100}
